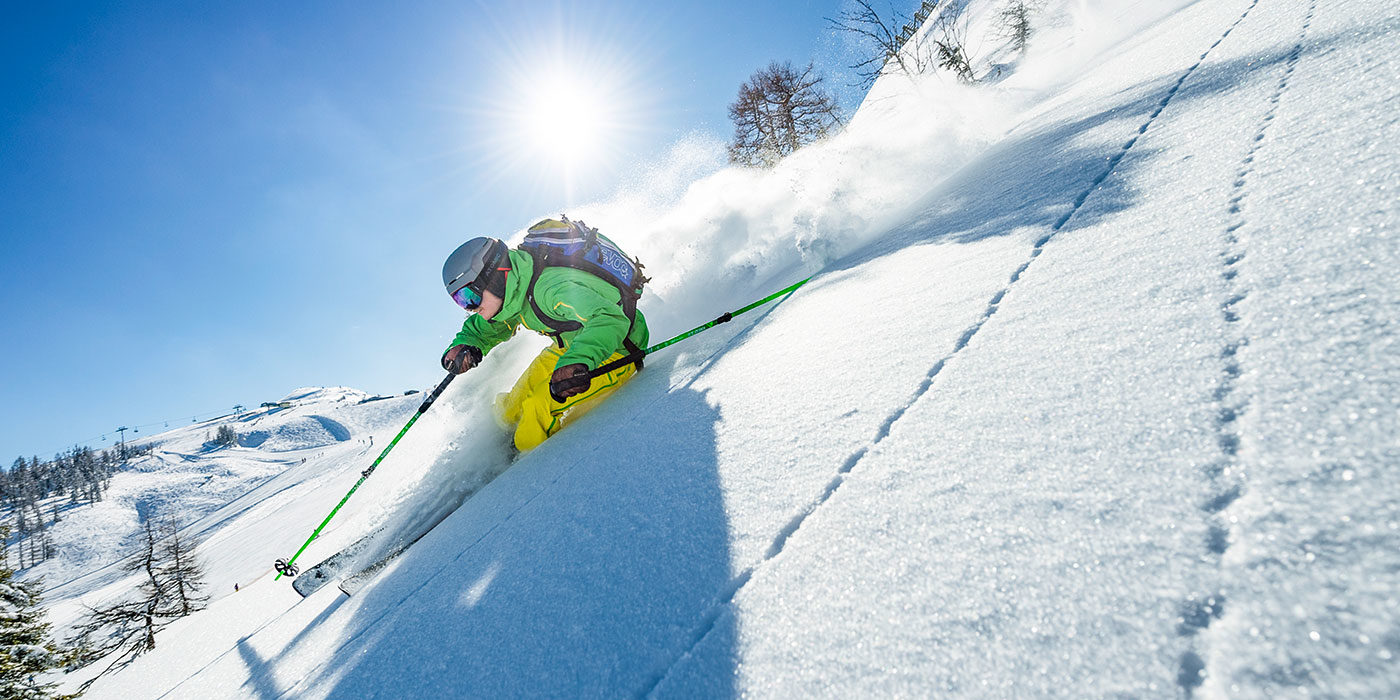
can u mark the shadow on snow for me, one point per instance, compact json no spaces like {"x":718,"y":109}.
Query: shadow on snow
{"x":581,"y":577}
{"x":583,"y":570}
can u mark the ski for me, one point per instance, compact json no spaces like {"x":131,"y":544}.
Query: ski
{"x":379,"y":546}
{"x":334,"y":566}
{"x":356,"y":581}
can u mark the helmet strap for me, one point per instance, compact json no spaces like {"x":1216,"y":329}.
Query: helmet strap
{"x":496,"y":284}
{"x":498,"y":266}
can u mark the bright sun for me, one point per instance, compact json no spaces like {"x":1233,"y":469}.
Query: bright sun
{"x":567,"y":120}
{"x":563,"y":110}
{"x":564,"y":119}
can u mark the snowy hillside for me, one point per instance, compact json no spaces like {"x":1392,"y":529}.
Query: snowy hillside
{"x":1096,"y":393}
{"x":317,"y":435}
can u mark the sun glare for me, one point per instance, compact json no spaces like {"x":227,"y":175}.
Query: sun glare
{"x":565,"y":105}
{"x":564,"y":127}
{"x":566,"y":120}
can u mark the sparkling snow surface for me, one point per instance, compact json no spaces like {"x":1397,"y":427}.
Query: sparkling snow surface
{"x":1112,"y":411}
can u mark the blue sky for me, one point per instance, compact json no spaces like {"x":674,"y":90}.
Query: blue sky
{"x":216,"y":204}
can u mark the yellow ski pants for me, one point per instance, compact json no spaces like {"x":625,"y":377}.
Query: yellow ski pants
{"x":536,"y":415}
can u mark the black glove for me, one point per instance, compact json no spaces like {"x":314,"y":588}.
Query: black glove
{"x":460,"y":358}
{"x":569,"y":380}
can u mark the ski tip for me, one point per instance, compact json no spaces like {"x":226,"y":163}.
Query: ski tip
{"x":311,"y":582}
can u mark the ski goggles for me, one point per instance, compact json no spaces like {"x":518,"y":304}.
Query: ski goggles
{"x":466,"y":298}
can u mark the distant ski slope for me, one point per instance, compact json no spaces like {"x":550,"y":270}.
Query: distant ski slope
{"x":245,"y":501}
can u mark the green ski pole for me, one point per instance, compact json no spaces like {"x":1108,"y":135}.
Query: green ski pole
{"x":287,"y":567}
{"x":723,"y":318}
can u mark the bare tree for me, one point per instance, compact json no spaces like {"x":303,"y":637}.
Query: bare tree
{"x":1014,"y":22}
{"x":169,"y":588}
{"x":886,"y":40}
{"x":897,"y":42}
{"x":23,"y":527}
{"x":128,"y":627}
{"x":948,"y":38}
{"x":779,"y":110}
{"x":180,"y":571}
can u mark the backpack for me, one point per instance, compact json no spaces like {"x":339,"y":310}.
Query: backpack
{"x":564,"y":243}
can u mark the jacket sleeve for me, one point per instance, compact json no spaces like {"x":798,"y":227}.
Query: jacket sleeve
{"x":482,"y":334}
{"x":593,"y":303}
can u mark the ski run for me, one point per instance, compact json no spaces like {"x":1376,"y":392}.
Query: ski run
{"x":1095,"y":393}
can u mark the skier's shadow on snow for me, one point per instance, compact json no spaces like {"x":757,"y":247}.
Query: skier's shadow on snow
{"x":259,"y":681}
{"x":583,"y":571}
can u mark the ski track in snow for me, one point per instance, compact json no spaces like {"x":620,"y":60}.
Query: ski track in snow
{"x":1227,"y":476}
{"x":1229,"y":503}
{"x":214,"y":661}
{"x":711,"y":616}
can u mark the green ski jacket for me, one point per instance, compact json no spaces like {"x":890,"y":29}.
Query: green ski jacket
{"x":564,"y":294}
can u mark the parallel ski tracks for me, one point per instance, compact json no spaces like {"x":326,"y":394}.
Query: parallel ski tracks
{"x":711,"y":616}
{"x":1227,"y":477}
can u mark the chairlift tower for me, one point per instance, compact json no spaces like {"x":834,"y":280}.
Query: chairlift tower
{"x":122,"y":431}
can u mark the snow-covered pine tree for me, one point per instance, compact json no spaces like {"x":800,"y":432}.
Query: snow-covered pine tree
{"x":26,"y":650}
{"x":226,"y":436}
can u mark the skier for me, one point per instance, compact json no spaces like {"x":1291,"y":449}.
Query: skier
{"x":555,"y":291}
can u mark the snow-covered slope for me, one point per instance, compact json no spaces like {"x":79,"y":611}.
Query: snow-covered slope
{"x":1104,"y":405}
{"x":251,"y":501}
